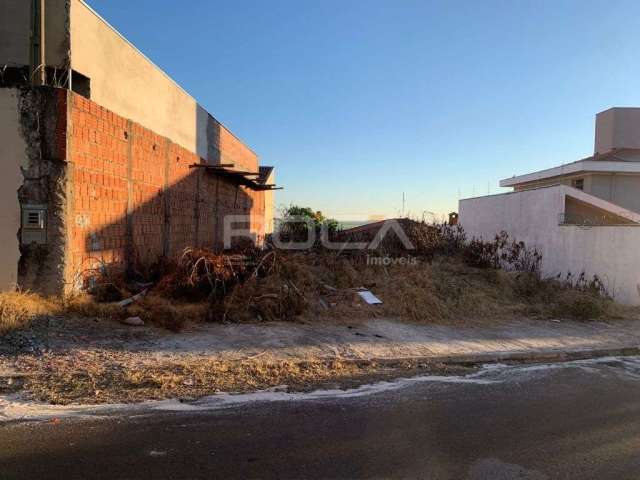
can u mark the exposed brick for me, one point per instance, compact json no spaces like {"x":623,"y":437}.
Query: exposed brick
{"x":171,"y":208}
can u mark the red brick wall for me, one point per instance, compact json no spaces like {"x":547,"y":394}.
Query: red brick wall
{"x":233,"y":150}
{"x":134,"y":196}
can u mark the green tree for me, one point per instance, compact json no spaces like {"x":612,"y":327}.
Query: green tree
{"x":297,"y":220}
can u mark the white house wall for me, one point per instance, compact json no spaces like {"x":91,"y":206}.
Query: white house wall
{"x":611,"y":252}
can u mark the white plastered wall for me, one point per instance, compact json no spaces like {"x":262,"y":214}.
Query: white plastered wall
{"x":126,"y":82}
{"x":533,"y":216}
{"x":269,"y":204}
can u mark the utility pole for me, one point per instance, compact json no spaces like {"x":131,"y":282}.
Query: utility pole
{"x":402,"y":205}
{"x":37,"y":51}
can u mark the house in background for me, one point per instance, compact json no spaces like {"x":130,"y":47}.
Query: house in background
{"x":582,"y":216}
{"x":612,"y":173}
{"x":107,"y":163}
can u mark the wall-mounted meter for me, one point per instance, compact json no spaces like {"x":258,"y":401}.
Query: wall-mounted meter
{"x":34,"y":224}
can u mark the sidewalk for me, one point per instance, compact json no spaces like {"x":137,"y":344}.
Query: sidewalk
{"x":84,"y":362}
{"x":384,"y":340}
{"x":377,"y":339}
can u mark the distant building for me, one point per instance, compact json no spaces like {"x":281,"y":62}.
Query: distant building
{"x":583,"y":216}
{"x":107,"y":163}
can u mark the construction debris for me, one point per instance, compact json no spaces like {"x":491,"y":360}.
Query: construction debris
{"x":369,"y":297}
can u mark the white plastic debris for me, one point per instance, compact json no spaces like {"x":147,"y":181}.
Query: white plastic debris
{"x":369,"y":297}
{"x":128,"y":301}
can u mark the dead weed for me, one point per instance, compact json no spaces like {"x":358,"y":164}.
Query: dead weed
{"x":18,"y":309}
{"x":101,"y":377}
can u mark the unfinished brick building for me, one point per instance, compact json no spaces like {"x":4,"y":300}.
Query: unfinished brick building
{"x":101,"y":177}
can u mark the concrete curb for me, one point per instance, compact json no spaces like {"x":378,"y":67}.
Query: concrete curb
{"x":499,"y":357}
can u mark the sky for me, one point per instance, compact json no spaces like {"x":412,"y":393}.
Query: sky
{"x":356,"y":102}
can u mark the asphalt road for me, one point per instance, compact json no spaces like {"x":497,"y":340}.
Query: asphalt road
{"x":577,"y":421}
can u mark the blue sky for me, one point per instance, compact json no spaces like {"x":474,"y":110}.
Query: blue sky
{"x":358,"y":101}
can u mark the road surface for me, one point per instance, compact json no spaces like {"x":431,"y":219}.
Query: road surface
{"x":570,"y":421}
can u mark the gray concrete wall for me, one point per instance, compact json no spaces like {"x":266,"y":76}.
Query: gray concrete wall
{"x":533,"y":216}
{"x":12,"y":156}
{"x":15,"y":32}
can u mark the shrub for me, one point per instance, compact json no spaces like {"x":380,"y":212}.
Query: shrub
{"x":581,"y":305}
{"x":298,"y":221}
{"x":503,"y":252}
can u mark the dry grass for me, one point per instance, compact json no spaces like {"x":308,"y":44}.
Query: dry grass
{"x":444,"y":291}
{"x":84,"y":305}
{"x":322,"y":286}
{"x":18,"y":309}
{"x":168,"y":314}
{"x":108,"y":377}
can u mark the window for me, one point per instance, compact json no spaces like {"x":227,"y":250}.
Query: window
{"x":578,"y":183}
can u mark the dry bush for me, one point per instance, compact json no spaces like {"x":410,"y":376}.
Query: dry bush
{"x":322,"y":285}
{"x":501,"y":253}
{"x":581,"y":305}
{"x":200,"y":273}
{"x":565,"y":299}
